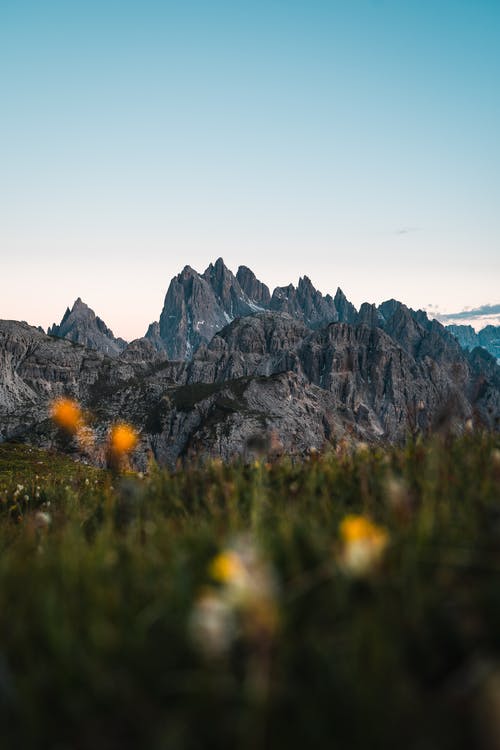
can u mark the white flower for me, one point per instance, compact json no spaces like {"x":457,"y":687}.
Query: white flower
{"x":42,"y":520}
{"x":212,"y":624}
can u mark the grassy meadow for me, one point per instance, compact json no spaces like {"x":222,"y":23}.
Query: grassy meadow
{"x":351,"y":600}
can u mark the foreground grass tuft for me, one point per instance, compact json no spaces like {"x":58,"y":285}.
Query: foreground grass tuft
{"x":352,"y":600}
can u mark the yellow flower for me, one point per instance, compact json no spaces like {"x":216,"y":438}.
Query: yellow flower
{"x":226,"y":567}
{"x":248,"y":588}
{"x":67,"y":414}
{"x":123,"y":439}
{"x":353,"y":528}
{"x":363,"y":544}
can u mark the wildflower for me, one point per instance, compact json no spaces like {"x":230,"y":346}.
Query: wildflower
{"x":123,"y":439}
{"x":363,"y":544}
{"x":67,"y":414}
{"x":242,"y":605}
{"x":249,"y":585}
{"x":227,"y":567}
{"x":42,"y":520}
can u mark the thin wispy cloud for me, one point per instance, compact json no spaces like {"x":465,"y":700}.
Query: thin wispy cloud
{"x":484,"y":311}
{"x":477,"y":317}
{"x":407,"y":230}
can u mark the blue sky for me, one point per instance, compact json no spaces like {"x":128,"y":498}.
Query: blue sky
{"x":355,"y":141}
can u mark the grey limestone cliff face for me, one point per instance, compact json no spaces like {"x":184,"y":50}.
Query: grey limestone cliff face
{"x":230,"y":366}
{"x":228,"y":292}
{"x":386,"y":387}
{"x":305,"y":303}
{"x":257,"y":292}
{"x":266,"y":378}
{"x":369,"y":315}
{"x":82,"y":326}
{"x":153,"y":336}
{"x":197,"y":306}
{"x":191,"y":314}
{"x":34,"y":369}
{"x":346,"y":311}
{"x":249,"y":417}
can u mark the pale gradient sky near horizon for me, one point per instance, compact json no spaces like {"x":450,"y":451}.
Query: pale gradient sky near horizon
{"x":353,"y":141}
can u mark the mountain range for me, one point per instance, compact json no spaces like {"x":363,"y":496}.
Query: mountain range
{"x":233,"y":369}
{"x":198,"y":305}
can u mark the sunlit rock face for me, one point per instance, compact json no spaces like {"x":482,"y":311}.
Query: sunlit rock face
{"x":82,"y":326}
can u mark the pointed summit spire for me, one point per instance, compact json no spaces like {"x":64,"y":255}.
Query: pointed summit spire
{"x":346,"y":311}
{"x":82,"y":326}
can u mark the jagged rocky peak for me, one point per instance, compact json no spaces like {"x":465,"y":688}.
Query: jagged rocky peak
{"x":197,"y":306}
{"x":305,"y":303}
{"x":263,"y":372}
{"x":227,"y":289}
{"x":370,"y":316}
{"x":191,"y":314}
{"x":257,"y":292}
{"x":346,"y":311}
{"x":418,"y":335}
{"x":81,"y":325}
{"x":153,"y":336}
{"x":400,"y":323}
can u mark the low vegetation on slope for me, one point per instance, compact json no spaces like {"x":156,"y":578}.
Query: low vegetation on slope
{"x":351,"y":600}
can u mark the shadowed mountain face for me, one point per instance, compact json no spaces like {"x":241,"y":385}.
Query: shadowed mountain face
{"x":82,"y":326}
{"x":255,"y":290}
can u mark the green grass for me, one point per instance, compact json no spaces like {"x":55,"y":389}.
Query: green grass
{"x":104,"y":581}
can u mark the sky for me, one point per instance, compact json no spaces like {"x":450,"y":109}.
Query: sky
{"x":352,"y":141}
